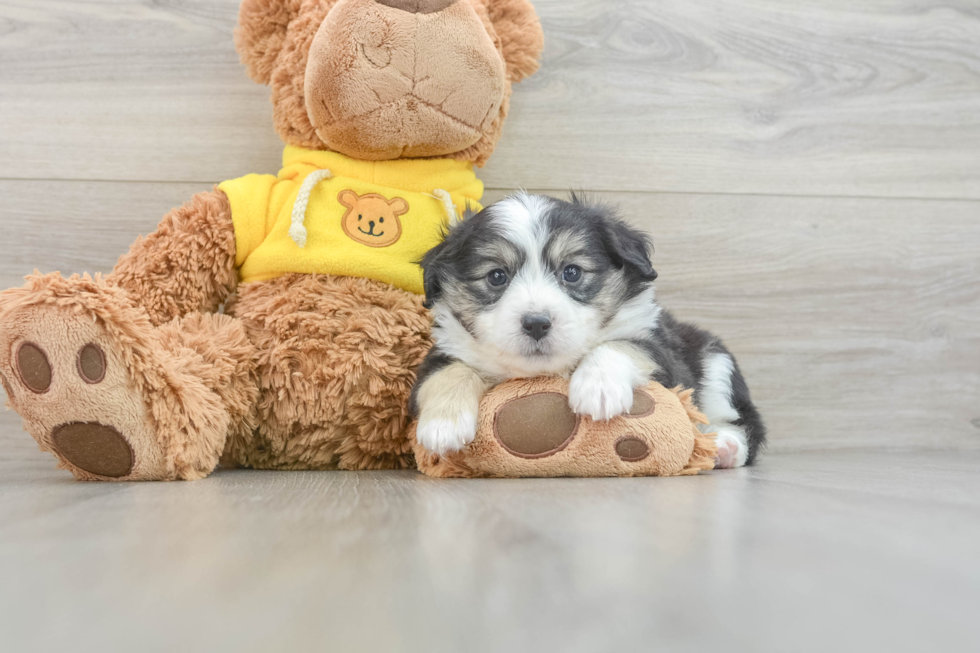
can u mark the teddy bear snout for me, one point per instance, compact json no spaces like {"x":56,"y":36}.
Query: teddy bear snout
{"x":417,"y":6}
{"x":385,"y":82}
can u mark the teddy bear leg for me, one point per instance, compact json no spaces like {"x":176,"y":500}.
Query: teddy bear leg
{"x":336,"y":362}
{"x":112,"y":397}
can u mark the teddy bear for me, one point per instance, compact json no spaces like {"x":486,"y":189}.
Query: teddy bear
{"x":276,"y":321}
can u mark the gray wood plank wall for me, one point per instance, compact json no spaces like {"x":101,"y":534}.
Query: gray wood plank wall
{"x":810,"y":170}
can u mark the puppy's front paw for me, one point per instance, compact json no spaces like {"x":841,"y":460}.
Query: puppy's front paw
{"x":599,"y":393}
{"x":444,"y":436}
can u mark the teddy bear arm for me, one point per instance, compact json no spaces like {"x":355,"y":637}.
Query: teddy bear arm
{"x":261,"y":33}
{"x":187,"y":265}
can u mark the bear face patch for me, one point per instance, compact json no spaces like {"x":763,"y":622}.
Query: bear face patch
{"x":371,"y":219}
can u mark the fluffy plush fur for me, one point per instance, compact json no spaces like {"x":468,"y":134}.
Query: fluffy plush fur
{"x":538,"y":286}
{"x":187,"y":265}
{"x":336,"y":359}
{"x":301,"y":371}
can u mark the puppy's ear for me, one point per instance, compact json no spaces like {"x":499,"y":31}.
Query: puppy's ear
{"x":629,"y":248}
{"x":433,"y":268}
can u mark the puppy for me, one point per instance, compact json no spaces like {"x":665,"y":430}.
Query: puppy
{"x":536,"y":286}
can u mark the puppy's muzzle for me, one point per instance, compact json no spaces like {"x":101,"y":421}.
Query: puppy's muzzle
{"x":536,"y":326}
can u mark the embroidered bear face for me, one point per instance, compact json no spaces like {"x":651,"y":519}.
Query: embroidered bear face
{"x":371,"y":219}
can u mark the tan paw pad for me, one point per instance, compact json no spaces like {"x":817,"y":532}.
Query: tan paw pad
{"x":91,"y":363}
{"x":631,"y":449}
{"x":643,"y":404}
{"x":95,"y":448}
{"x":536,"y":426}
{"x":34,"y":368}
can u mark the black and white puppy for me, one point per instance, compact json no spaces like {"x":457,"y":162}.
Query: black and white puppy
{"x":534,"y":285}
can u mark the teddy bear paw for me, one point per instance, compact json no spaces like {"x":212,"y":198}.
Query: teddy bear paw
{"x":85,"y":370}
{"x":527,"y":428}
{"x":63,"y":375}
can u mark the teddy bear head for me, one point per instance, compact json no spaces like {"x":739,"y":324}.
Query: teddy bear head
{"x":390,"y":79}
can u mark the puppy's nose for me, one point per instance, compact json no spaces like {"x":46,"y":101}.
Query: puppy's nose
{"x":417,"y":6}
{"x":536,"y":326}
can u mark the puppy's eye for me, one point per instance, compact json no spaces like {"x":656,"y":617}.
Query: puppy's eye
{"x":497,"y":277}
{"x":571,"y":273}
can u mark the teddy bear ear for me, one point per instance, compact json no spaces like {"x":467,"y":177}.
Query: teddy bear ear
{"x":522,"y":38}
{"x":261,"y":32}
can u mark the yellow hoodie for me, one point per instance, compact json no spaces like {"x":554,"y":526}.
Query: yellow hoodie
{"x":325,"y":213}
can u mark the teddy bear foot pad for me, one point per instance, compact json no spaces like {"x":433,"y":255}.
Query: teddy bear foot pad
{"x":90,"y":446}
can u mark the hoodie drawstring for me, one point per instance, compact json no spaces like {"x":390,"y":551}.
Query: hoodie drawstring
{"x":297,"y":231}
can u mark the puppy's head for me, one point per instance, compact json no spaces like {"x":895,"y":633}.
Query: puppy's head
{"x":531,"y":283}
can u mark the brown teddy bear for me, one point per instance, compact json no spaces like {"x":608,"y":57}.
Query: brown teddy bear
{"x":385,"y":106}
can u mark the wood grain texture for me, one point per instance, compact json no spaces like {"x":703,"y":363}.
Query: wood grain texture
{"x":815,"y":97}
{"x":78,"y":226}
{"x":856,"y":321}
{"x":806,"y":552}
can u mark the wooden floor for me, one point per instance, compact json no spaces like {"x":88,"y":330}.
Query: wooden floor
{"x":810,"y":171}
{"x":838,"y":551}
